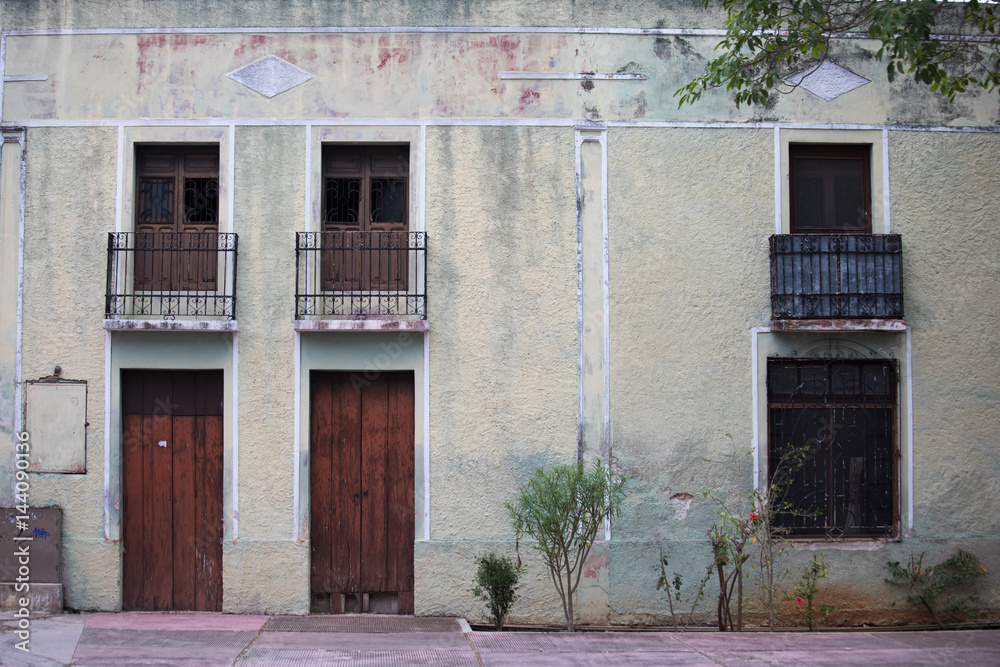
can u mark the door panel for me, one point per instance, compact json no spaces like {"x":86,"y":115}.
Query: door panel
{"x":183,"y":443}
{"x":400,"y":518}
{"x":209,"y":529}
{"x":346,"y":507}
{"x":132,"y":510}
{"x":374,"y":431}
{"x":321,"y":485}
{"x":172,"y":453}
{"x":361,"y":477}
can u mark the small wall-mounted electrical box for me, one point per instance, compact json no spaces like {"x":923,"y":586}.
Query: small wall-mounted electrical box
{"x":56,"y":423}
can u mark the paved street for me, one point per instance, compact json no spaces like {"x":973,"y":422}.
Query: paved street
{"x":223,"y":639}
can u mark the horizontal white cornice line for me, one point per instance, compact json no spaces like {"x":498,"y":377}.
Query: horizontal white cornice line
{"x":472,"y":30}
{"x":559,"y":30}
{"x":573,"y":76}
{"x":487,"y":122}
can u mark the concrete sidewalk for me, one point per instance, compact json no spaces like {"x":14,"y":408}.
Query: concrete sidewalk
{"x":224,"y":639}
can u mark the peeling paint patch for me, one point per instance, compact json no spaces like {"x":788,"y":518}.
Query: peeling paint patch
{"x":682,"y":504}
{"x":592,"y":568}
{"x":631,"y":68}
{"x":387,"y":54}
{"x":529,"y":99}
{"x":668,"y":47}
{"x":634,"y":106}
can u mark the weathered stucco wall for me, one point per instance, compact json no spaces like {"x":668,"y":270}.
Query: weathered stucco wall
{"x":690,"y":213}
{"x":70,"y":207}
{"x":444,"y":73}
{"x":266,"y":215}
{"x":24,"y":14}
{"x":494,"y":175}
{"x":946,"y":207}
{"x":676,"y":396}
{"x":501,"y":224}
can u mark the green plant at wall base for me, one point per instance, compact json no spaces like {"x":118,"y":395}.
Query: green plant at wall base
{"x":673,"y":590}
{"x":731,"y":538}
{"x":496,"y":585}
{"x":950,"y":578}
{"x":562,"y":511}
{"x":769,"y":504}
{"x":747,"y":527}
{"x":806,"y":590}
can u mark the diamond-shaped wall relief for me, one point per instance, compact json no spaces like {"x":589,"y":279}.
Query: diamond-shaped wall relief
{"x":270,"y":76}
{"x":828,"y":81}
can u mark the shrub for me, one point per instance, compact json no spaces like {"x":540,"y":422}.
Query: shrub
{"x":562,"y":510}
{"x":496,"y":585}
{"x":806,"y":590}
{"x":673,"y":589}
{"x":950,"y":578}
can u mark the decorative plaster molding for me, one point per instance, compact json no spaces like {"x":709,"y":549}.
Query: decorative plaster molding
{"x":828,"y":81}
{"x":270,"y":76}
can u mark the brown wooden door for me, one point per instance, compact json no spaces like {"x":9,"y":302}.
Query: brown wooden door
{"x":361,"y":485}
{"x":365,"y":212}
{"x":172,"y":470}
{"x":177,"y":217}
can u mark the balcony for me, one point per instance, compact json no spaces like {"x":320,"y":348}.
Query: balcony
{"x":170,"y":276}
{"x":355,"y":276}
{"x":836,"y":281}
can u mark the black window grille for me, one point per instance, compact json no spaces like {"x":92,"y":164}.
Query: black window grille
{"x":832,"y":276}
{"x":840,"y":416}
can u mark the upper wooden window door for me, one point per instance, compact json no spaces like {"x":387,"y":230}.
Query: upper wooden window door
{"x":365,"y":217}
{"x":177,"y":217}
{"x":830,"y":188}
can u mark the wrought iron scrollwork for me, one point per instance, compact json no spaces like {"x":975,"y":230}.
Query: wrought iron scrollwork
{"x":360,"y":275}
{"x":824,"y":276}
{"x":171,"y":275}
{"x":833,"y":445}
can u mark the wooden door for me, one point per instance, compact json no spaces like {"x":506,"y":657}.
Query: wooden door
{"x":361,"y":485}
{"x":177,"y":217}
{"x":365,"y":212}
{"x":172,"y":459}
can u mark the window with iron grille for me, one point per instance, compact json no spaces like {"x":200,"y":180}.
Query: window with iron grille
{"x":840,"y":414}
{"x":365,"y":217}
{"x":830,"y":188}
{"x":177,"y":217}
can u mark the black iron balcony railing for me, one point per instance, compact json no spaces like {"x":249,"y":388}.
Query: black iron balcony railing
{"x":361,"y":275}
{"x":836,"y":276}
{"x":171,"y":275}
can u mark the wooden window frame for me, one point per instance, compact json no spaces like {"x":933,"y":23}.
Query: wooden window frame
{"x":398,"y":158}
{"x":174,"y":253}
{"x":864,"y":399}
{"x":365,"y":254}
{"x":861,"y":153}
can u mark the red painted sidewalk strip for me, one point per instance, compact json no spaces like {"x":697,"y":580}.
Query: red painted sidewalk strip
{"x":194,"y":621}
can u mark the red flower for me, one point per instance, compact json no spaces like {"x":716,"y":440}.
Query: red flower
{"x":799,"y":601}
{"x":753,"y":516}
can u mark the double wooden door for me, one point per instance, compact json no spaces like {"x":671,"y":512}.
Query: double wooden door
{"x":177,"y":218}
{"x":172,"y":460}
{"x":361,"y":485}
{"x":365,"y":213}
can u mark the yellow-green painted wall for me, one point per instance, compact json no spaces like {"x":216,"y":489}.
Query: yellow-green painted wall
{"x":692,"y":196}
